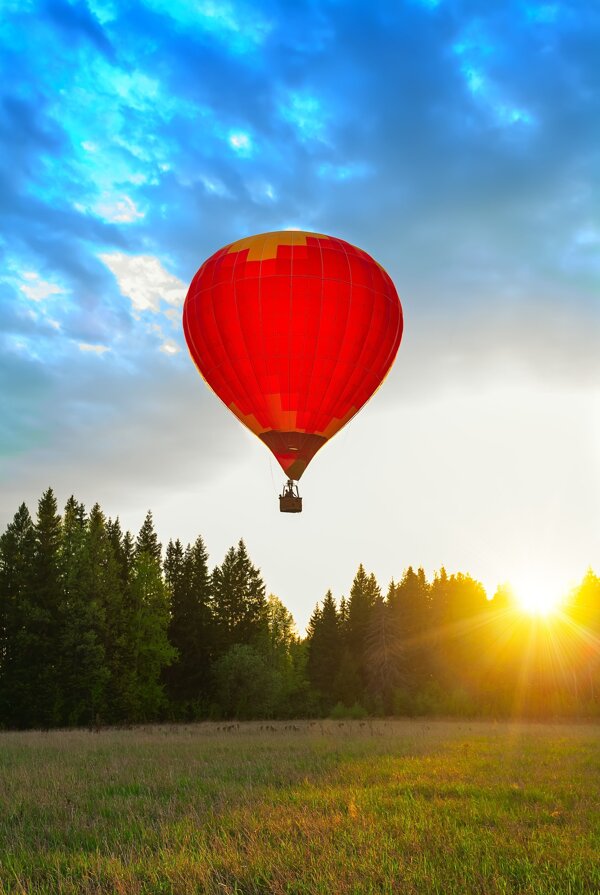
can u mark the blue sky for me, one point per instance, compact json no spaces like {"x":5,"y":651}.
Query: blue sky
{"x":457,"y":141}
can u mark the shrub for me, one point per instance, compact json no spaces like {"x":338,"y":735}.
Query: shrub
{"x":343,"y":712}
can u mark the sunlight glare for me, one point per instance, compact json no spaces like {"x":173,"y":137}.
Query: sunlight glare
{"x":536,"y":595}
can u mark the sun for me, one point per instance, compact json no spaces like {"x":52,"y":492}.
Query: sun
{"x":537,"y":596}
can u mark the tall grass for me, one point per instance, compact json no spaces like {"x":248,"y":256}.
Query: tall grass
{"x":332,"y":807}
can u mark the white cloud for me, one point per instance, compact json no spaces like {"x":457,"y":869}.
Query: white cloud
{"x":36,"y":289}
{"x":174,"y":315}
{"x":144,"y":281}
{"x":103,"y":10}
{"x":170,"y":347}
{"x":118,"y":210}
{"x":96,"y":349}
{"x":240,"y":142}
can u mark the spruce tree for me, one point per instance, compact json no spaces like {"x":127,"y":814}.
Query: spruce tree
{"x":147,"y":613}
{"x":45,"y":707}
{"x":409,"y":603}
{"x":90,"y":578}
{"x":123,"y":546}
{"x":239,"y":601}
{"x":363,"y":594}
{"x":17,"y":644}
{"x":120,"y":631}
{"x":147,"y":540}
{"x":385,"y":660}
{"x":469,"y":626}
{"x":191,"y":628}
{"x":324,"y":650}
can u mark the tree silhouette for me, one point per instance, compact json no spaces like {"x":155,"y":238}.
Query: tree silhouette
{"x":239,"y":601}
{"x":191,"y":628}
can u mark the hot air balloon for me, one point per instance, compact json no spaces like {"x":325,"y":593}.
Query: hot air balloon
{"x":294,"y":332}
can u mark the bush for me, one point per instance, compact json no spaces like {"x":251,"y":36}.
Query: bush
{"x":246,"y":685}
{"x":343,"y":712}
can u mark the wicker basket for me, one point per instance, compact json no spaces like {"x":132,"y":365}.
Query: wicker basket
{"x":288,"y":503}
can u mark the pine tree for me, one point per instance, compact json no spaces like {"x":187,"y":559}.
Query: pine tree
{"x":343,"y":617}
{"x":148,"y":649}
{"x":90,"y":576}
{"x":460,"y":612}
{"x":363,"y":594}
{"x":17,"y":546}
{"x":324,"y":650}
{"x":385,"y":659}
{"x":191,"y":628}
{"x":410,"y":607}
{"x":123,"y":548}
{"x":120,"y":639}
{"x":239,"y":601}
{"x":45,"y":707}
{"x":147,"y":540}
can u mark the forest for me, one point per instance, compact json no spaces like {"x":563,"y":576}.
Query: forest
{"x":98,"y":627}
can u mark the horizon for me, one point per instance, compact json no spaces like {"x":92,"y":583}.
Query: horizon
{"x":533,"y":597}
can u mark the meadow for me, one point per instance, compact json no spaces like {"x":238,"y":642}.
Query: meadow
{"x":403,"y":806}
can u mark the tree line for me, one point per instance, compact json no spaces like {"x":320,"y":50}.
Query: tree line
{"x":97,"y":627}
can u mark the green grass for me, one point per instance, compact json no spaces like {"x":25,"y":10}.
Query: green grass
{"x":339,"y":807}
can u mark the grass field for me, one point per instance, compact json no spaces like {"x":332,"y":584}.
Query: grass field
{"x":348,"y":807}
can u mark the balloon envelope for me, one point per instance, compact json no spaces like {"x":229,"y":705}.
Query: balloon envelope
{"x":294,"y":331}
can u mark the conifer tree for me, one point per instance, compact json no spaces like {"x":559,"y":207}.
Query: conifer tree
{"x":123,"y":547}
{"x":147,"y":540}
{"x":460,"y":609}
{"x":343,"y":617}
{"x":191,"y":628}
{"x":239,"y":601}
{"x":173,"y":565}
{"x":409,"y":603}
{"x":17,"y":546}
{"x":89,"y":578}
{"x":385,"y":659}
{"x":45,"y":707}
{"x":120,"y":638}
{"x":363,"y":594}
{"x":324,"y":650}
{"x":147,"y":612}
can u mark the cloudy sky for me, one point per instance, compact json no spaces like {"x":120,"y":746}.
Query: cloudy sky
{"x":457,"y":141}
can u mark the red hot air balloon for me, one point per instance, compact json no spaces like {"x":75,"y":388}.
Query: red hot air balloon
{"x":294,"y":331}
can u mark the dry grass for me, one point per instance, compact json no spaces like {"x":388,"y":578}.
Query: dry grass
{"x":332,"y":807}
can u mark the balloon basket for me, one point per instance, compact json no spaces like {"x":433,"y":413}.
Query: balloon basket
{"x":290,"y":501}
{"x":290,"y":504}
